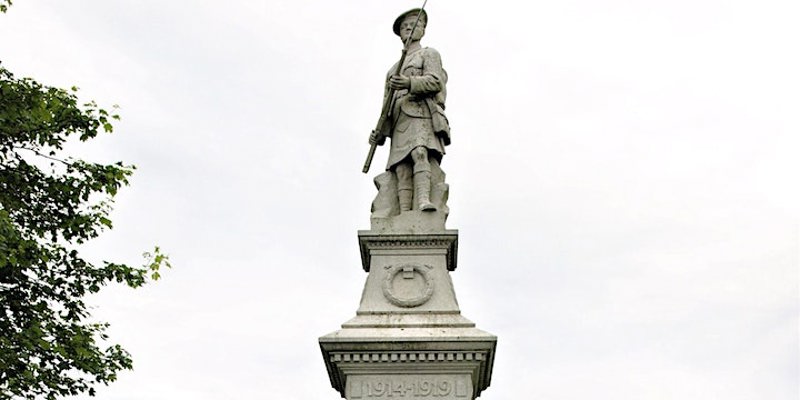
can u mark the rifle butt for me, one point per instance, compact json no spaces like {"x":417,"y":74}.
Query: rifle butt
{"x":368,"y":161}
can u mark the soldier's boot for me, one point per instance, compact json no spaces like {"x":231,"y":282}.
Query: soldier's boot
{"x":405,"y":186}
{"x":422,"y":187}
{"x":405,"y":196}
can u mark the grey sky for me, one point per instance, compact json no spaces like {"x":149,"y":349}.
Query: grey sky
{"x":623,"y":177}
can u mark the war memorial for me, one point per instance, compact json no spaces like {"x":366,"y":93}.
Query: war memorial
{"x":408,"y":339}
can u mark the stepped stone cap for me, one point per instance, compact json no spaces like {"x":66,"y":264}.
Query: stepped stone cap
{"x":370,"y":240}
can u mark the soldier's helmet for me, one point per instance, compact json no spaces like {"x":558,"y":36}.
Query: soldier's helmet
{"x":423,"y":19}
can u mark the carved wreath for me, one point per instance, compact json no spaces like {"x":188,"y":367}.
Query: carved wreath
{"x":408,"y":302}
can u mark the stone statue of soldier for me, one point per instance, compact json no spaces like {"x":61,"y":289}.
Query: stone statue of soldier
{"x":417,"y":123}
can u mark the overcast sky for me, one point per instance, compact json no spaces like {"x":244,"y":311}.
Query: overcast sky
{"x":623,"y":176}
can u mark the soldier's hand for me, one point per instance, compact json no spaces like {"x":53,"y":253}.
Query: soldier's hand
{"x":399,"y":82}
{"x":373,"y":138}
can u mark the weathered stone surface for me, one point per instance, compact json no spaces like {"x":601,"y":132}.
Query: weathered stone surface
{"x":386,"y":202}
{"x":408,"y":280}
{"x":417,"y":353}
{"x":413,"y":117}
{"x":372,"y":241}
{"x":410,"y":386}
{"x":386,"y":215}
{"x":408,"y":339}
{"x":408,"y":325}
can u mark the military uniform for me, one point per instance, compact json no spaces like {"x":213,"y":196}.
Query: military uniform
{"x":416,"y":124}
{"x":417,"y":118}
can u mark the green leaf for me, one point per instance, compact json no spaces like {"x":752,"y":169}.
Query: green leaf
{"x":48,"y":346}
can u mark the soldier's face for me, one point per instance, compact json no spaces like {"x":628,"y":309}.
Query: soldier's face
{"x":408,"y":24}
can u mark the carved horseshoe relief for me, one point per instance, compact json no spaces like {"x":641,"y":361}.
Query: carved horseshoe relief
{"x":408,"y":271}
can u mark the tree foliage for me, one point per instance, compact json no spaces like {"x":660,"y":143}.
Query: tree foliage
{"x":49,"y":205}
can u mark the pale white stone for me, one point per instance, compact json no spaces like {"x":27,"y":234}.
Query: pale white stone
{"x":427,"y":342}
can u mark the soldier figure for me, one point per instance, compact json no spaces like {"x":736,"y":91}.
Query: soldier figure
{"x":416,"y":124}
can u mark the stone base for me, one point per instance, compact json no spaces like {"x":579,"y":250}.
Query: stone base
{"x":410,"y":386}
{"x":408,"y":339}
{"x":426,"y":364}
{"x":413,"y":221}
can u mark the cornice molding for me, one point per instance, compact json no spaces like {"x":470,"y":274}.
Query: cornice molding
{"x":369,"y":241}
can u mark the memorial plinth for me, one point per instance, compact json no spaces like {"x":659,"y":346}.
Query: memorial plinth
{"x":408,"y":339}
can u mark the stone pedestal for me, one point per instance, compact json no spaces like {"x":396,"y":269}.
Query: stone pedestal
{"x":408,"y":339}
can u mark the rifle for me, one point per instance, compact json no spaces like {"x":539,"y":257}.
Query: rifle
{"x":388,"y":101}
